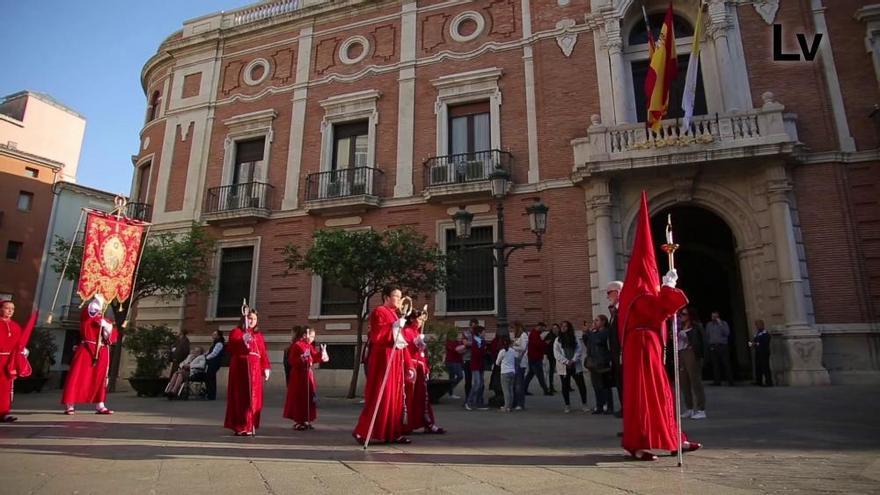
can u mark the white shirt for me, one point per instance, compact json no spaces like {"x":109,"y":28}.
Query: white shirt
{"x":507,"y":360}
{"x":520,"y":346}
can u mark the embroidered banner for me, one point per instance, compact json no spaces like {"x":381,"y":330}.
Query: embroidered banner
{"x":111,"y":249}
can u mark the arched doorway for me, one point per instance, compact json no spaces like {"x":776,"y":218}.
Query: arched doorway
{"x":708,"y":271}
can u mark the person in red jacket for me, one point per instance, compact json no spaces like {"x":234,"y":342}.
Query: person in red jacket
{"x":300,"y":404}
{"x":420,"y":414}
{"x":535,"y":354}
{"x":87,"y":378}
{"x":13,"y":356}
{"x":454,"y":364}
{"x":479,"y":349}
{"x":248,"y":368}
{"x":384,"y":395}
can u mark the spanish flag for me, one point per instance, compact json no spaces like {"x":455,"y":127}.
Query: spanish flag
{"x":661,"y":72}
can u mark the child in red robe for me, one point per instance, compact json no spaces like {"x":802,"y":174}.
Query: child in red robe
{"x":13,"y":356}
{"x":87,"y":378}
{"x":300,"y":404}
{"x":248,"y":368}
{"x":418,"y":403}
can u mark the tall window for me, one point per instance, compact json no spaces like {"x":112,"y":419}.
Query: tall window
{"x":25,"y":201}
{"x":469,"y":130}
{"x":473,"y":289}
{"x":637,"y":52}
{"x":349,"y":145}
{"x":13,"y":251}
{"x":143,"y":182}
{"x":234,"y":283}
{"x":337,"y":300}
{"x":154,"y":106}
{"x":248,"y":165}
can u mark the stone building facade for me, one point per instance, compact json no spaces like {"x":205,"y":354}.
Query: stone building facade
{"x":284,"y":117}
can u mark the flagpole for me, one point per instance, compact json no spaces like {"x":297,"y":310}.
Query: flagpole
{"x":670,"y":247}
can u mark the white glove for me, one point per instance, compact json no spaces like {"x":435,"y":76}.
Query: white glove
{"x":324,"y":356}
{"x":106,"y":325}
{"x":26,"y":352}
{"x":399,"y":324}
{"x":670,"y":279}
{"x":266,"y":373}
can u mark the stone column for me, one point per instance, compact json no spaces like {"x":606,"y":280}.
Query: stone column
{"x":599,"y":202}
{"x":623,"y":111}
{"x":801,"y":344}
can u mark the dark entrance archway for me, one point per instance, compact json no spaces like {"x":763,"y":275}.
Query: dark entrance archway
{"x":708,"y":272}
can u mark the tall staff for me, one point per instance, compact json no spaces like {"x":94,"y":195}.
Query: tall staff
{"x":670,"y":247}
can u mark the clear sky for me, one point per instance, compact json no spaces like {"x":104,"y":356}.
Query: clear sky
{"x":89,"y":55}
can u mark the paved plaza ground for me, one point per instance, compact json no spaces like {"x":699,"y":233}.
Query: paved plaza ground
{"x":758,"y":440}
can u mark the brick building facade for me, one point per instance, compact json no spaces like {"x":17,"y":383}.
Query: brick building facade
{"x":284,"y":117}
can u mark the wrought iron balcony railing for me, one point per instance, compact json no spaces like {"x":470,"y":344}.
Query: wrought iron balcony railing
{"x":239,"y":197}
{"x":344,"y":183}
{"x":139,"y":211}
{"x":465,"y":167}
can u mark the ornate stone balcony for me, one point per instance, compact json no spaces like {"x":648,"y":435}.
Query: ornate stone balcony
{"x":763,"y":131}
{"x":348,"y":190}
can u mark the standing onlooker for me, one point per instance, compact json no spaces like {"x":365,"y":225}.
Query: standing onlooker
{"x":454,"y":365}
{"x":519,"y":345}
{"x":467,"y":340}
{"x":506,"y":360}
{"x":295,"y":336}
{"x":214,"y":360}
{"x":598,"y":362}
{"x":612,"y":292}
{"x":535,"y":355}
{"x":690,"y":355}
{"x":569,"y":364}
{"x":761,"y":344}
{"x":549,"y":340}
{"x":478,"y":349}
{"x":179,"y":351}
{"x":718,"y":333}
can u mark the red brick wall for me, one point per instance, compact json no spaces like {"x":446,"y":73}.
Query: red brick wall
{"x":800,"y":86}
{"x":179,"y":164}
{"x":855,"y":69}
{"x":19,"y":278}
{"x":191,"y":84}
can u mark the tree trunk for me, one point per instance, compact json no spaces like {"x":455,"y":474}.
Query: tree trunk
{"x":352,"y":388}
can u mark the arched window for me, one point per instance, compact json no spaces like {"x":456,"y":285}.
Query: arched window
{"x":637,"y":54}
{"x":154,"y":106}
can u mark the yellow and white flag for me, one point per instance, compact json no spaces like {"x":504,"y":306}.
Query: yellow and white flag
{"x":690,"y":82}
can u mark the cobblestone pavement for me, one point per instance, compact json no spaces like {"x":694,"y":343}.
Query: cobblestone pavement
{"x":777,"y":440}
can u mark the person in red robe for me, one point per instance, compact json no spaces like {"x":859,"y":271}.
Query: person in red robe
{"x":248,"y":368}
{"x":387,"y":366}
{"x":13,"y":356}
{"x":649,"y":421}
{"x":300,"y":404}
{"x":418,"y":402}
{"x":87,"y":378}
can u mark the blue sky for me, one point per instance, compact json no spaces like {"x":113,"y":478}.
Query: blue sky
{"x":89,"y":55}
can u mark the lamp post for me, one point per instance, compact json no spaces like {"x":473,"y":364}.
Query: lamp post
{"x":499,"y":179}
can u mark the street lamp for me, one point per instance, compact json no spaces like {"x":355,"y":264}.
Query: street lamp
{"x":499,"y":180}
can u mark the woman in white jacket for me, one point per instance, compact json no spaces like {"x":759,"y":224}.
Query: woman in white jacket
{"x":569,"y":353}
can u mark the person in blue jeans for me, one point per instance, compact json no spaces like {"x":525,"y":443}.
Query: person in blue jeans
{"x":478,"y":350}
{"x":519,"y":346}
{"x":535,"y":355}
{"x":454,"y":364}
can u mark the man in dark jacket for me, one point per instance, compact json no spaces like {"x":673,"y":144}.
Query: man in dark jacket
{"x":613,"y":293}
{"x":180,"y":350}
{"x":761,"y":344}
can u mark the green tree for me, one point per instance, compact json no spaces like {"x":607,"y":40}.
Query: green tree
{"x":365,"y":261}
{"x":172,"y":264}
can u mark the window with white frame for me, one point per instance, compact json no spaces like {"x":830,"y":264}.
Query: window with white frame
{"x":468,"y":110}
{"x":234,"y":280}
{"x":472,"y":289}
{"x":248,"y":165}
{"x":636,"y":54}
{"x":336,"y":300}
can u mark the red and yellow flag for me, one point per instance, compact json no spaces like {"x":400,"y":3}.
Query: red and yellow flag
{"x":661,"y":72}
